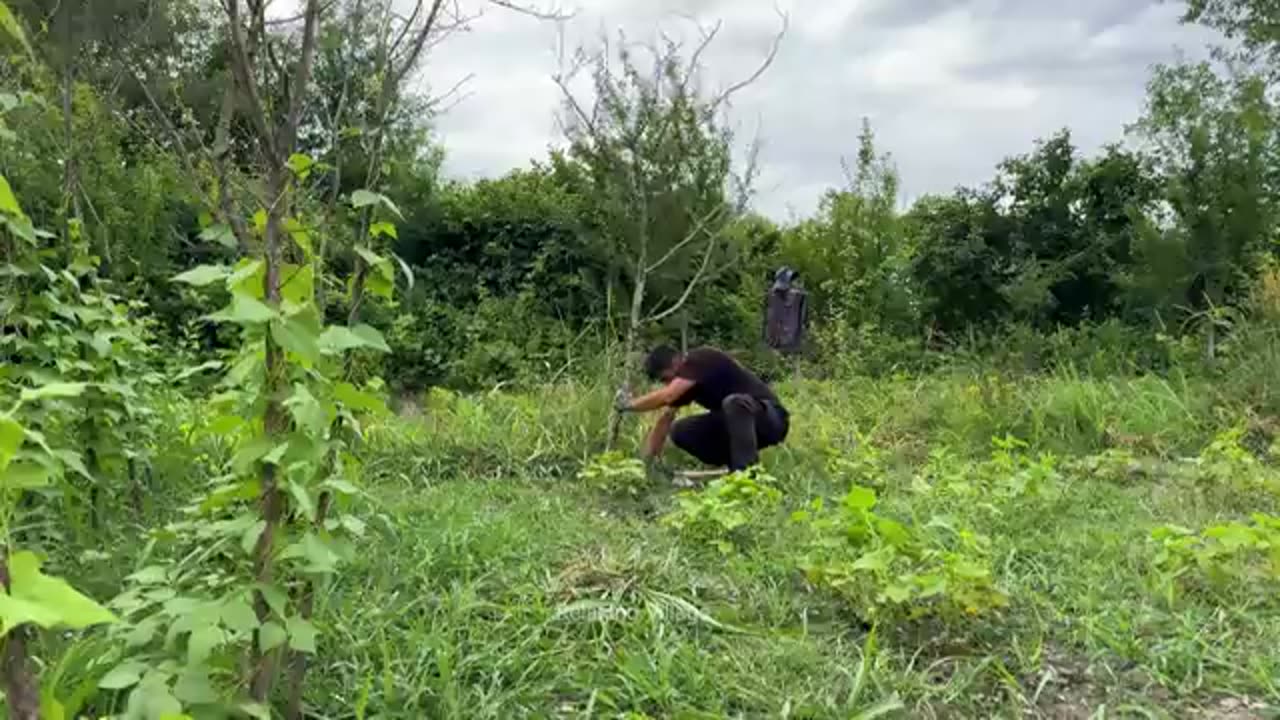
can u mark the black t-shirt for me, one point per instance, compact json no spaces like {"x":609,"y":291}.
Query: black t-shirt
{"x":716,"y":376}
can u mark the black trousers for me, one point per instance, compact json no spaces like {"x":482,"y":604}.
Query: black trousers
{"x":733,"y":435}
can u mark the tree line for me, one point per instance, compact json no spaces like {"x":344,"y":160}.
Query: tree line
{"x":639,"y":224}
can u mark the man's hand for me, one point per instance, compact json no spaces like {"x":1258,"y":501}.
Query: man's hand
{"x":622,"y":401}
{"x":656,"y":468}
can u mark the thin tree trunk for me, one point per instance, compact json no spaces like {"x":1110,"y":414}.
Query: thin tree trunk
{"x":136,"y":488}
{"x":22,"y":696}
{"x":275,"y":423}
{"x":306,"y":607}
{"x":628,"y":351}
{"x":69,"y":165}
{"x":636,"y":314}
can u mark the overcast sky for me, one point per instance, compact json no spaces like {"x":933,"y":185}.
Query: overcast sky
{"x":951,"y":86}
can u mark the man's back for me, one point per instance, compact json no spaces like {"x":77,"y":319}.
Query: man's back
{"x":716,"y":375}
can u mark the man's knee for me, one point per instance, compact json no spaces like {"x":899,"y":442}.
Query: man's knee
{"x":682,"y":435}
{"x":738,"y":404}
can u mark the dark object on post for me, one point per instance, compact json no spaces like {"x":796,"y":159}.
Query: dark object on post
{"x":786,"y":312}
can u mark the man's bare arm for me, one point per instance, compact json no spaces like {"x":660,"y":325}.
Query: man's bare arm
{"x":662,"y":397}
{"x":658,"y":436}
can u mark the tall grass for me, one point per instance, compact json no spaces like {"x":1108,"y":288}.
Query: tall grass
{"x":495,"y":584}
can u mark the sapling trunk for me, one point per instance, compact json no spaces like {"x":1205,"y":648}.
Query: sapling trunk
{"x":306,"y":607}
{"x":275,"y":425}
{"x":22,"y":696}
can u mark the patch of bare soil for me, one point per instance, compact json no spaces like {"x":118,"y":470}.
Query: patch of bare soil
{"x":1233,"y":708}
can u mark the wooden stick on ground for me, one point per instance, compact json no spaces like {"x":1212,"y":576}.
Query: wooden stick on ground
{"x":695,"y":478}
{"x":701,"y":474}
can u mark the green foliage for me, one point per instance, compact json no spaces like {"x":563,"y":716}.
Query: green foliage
{"x":890,"y":571}
{"x":1014,"y":473}
{"x":865,"y":465}
{"x":67,"y":381}
{"x":1116,"y":465}
{"x":1228,"y":470}
{"x":1249,"y":22}
{"x":859,"y":254}
{"x":1010,"y":476}
{"x":1225,"y":460}
{"x":1058,"y":252}
{"x":310,"y":467}
{"x":616,"y":473}
{"x":723,"y":513}
{"x":1226,"y":559}
{"x":48,"y":602}
{"x":1212,"y":138}
{"x":11,"y":26}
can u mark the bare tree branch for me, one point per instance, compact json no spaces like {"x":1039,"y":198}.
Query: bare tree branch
{"x":564,"y":75}
{"x":691,"y":69}
{"x":744,"y":182}
{"x":587,"y":120}
{"x":242,"y":66}
{"x":218,"y":155}
{"x":557,"y":15}
{"x":286,"y":20}
{"x":764,"y":65}
{"x":163,"y":117}
{"x":404,"y":31}
{"x":690,"y":237}
{"x":396,"y":76}
{"x":225,"y":207}
{"x":694,"y":282}
{"x":708,"y":36}
{"x":437,"y":104}
{"x":302,"y":77}
{"x":295,"y":18}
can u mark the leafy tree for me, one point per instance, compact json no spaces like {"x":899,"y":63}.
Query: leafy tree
{"x":654,"y":156}
{"x":502,"y":264}
{"x":865,"y":246}
{"x":1072,"y":221}
{"x":963,"y":260}
{"x":50,"y":331}
{"x":1116,"y":191}
{"x":1250,"y":23}
{"x":1213,"y":141}
{"x":1048,"y":247}
{"x":277,"y":404}
{"x":92,"y":42}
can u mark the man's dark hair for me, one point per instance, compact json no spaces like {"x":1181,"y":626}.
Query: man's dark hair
{"x":660,"y":359}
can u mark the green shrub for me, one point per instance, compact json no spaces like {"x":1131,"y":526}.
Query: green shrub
{"x":1224,"y":559}
{"x":888,"y":570}
{"x":721,"y":513}
{"x":1011,"y":473}
{"x":1117,"y":465}
{"x":615,"y":473}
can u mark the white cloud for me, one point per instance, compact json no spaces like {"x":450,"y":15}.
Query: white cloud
{"x":952,"y":86}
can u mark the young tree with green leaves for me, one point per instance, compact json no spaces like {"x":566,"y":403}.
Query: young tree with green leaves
{"x":858,"y":239}
{"x":277,"y":404}
{"x":654,"y":155}
{"x":1214,"y":143}
{"x":46,"y":322}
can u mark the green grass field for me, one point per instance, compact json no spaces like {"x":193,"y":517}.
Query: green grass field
{"x":494,"y":581}
{"x":498,"y":584}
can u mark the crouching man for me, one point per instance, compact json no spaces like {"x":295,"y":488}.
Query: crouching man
{"x":743,"y":414}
